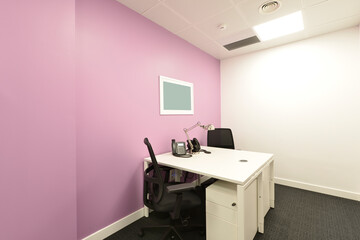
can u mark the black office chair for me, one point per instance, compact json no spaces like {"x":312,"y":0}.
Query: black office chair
{"x":220,"y":137}
{"x":166,"y":198}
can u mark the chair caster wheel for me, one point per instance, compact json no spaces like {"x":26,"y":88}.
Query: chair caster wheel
{"x":141,"y":233}
{"x":185,"y":222}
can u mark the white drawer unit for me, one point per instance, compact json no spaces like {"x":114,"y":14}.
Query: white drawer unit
{"x":222,"y":211}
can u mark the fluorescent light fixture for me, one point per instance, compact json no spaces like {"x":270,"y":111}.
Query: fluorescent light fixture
{"x":280,"y":27}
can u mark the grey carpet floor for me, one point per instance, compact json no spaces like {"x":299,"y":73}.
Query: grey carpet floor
{"x":298,"y":215}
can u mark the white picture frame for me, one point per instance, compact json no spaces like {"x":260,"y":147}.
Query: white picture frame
{"x":176,"y":97}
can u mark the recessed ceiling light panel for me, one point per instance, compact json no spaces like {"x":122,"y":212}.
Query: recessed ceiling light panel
{"x":280,"y":27}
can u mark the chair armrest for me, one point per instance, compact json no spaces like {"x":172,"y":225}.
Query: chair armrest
{"x":178,"y":188}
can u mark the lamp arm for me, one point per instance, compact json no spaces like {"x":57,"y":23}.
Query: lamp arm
{"x":192,"y":127}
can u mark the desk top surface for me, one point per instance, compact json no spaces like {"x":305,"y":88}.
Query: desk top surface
{"x":222,"y":163}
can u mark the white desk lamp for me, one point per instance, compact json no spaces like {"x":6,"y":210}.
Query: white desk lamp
{"x":208,"y":127}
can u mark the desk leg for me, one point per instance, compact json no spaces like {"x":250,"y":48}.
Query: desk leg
{"x":241,"y":212}
{"x":272,"y":186}
{"x":260,"y":188}
{"x":146,"y":209}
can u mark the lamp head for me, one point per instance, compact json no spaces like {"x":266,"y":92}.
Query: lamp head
{"x":211,"y":127}
{"x":208,"y":127}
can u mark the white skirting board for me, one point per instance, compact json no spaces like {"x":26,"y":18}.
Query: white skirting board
{"x":319,"y":189}
{"x":116,"y":226}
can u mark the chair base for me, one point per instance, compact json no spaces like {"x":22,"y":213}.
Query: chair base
{"x":172,"y":231}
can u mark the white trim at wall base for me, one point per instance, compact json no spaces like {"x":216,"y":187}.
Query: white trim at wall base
{"x":116,"y":226}
{"x":319,"y":189}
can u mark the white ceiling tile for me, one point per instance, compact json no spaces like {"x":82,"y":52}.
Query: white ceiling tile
{"x":194,"y":36}
{"x":198,"y":10}
{"x":250,"y":10}
{"x":308,"y":3}
{"x":334,"y":26}
{"x":237,"y":37}
{"x":166,"y":18}
{"x":139,"y":6}
{"x":201,"y":41}
{"x":329,"y":11}
{"x":214,"y":50}
{"x":231,"y":18}
{"x":239,"y":1}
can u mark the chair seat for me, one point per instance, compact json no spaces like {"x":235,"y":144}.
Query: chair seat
{"x":189,"y":200}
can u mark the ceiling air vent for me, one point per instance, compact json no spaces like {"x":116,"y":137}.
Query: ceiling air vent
{"x":269,"y":7}
{"x":242,"y":43}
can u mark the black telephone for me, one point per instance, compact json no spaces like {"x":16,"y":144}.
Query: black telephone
{"x":196,"y":145}
{"x":179,"y":149}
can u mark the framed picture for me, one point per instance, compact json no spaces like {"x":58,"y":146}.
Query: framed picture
{"x":176,"y":97}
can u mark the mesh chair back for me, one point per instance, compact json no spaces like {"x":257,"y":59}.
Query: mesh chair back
{"x":153,"y":180}
{"x":220,"y":137}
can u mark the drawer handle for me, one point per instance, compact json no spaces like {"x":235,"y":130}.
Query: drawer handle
{"x":233,"y":204}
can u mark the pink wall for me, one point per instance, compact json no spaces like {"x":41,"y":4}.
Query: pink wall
{"x":71,"y":135}
{"x":120,"y":56}
{"x":37,"y":120}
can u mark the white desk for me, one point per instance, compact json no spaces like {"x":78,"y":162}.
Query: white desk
{"x":225,"y":164}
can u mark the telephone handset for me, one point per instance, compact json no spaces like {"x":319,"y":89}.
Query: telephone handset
{"x":179,"y":149}
{"x":196,"y":145}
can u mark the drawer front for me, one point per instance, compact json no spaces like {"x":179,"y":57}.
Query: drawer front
{"x":222,"y":193}
{"x":227,"y":214}
{"x":217,"y":228}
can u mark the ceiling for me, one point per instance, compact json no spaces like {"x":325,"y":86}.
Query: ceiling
{"x":200,"y":21}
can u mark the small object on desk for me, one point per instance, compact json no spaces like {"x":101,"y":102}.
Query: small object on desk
{"x":205,"y":151}
{"x":179,"y":149}
{"x":243,"y":160}
{"x":194,"y":145}
{"x":183,"y":155}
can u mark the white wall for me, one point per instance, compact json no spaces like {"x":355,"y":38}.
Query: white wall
{"x":300,"y":101}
